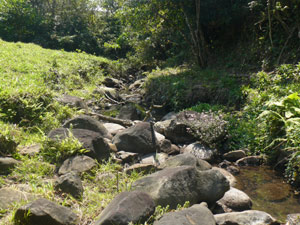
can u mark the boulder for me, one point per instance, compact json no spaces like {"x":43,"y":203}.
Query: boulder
{"x":133,"y":98}
{"x":201,"y":152}
{"x":154,"y":159}
{"x":229,"y":167}
{"x":161,"y":126}
{"x":97,"y":146}
{"x":186,"y":160}
{"x":7,"y":146}
{"x":250,"y":161}
{"x":79,"y":164}
{"x":135,"y":207}
{"x":112,"y":82}
{"x":173,"y":186}
{"x":129,"y":112}
{"x":140,"y":168}
{"x":231,"y":179}
{"x":113,"y":128}
{"x":167,"y":147}
{"x":70,"y":183}
{"x":9,"y":196}
{"x":6,"y":164}
{"x":72,"y":101}
{"x":234,"y":155}
{"x":110,"y":92}
{"x":31,"y":150}
{"x":249,"y":217}
{"x":195,"y":215}
{"x":127,"y":157}
{"x":137,"y":138}
{"x":43,"y":211}
{"x":88,"y":123}
{"x":235,"y":200}
{"x":293,"y":219}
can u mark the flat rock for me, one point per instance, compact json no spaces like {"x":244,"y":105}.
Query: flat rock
{"x":6,"y":164}
{"x":79,"y":164}
{"x":250,"y":161}
{"x":88,"y":123}
{"x":8,"y":196}
{"x":186,"y":160}
{"x":195,"y":215}
{"x":234,"y":155}
{"x":113,"y":128}
{"x":200,"y":151}
{"x":137,"y":138}
{"x":232,"y":180}
{"x":235,"y":200}
{"x":97,"y":145}
{"x":249,"y":217}
{"x":173,"y":186}
{"x":44,"y":212}
{"x":70,"y":183}
{"x":127,"y":207}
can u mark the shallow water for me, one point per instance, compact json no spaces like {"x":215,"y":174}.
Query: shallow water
{"x":268,"y":191}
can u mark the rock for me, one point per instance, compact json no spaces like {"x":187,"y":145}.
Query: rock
{"x":88,"y":123}
{"x":31,"y":150}
{"x":201,"y":152}
{"x":97,"y":145}
{"x":72,"y":101}
{"x":208,"y":128}
{"x":112,"y":82}
{"x":110,"y":92}
{"x":70,"y":183}
{"x":113,"y":128}
{"x":293,"y":219}
{"x":232,"y":180}
{"x":127,"y":157}
{"x":135,"y":207}
{"x":195,"y":215}
{"x":137,"y":138}
{"x":9,"y":196}
{"x":235,"y":200}
{"x":133,"y":98}
{"x":137,"y":84}
{"x":140,"y":168}
{"x":167,"y":147}
{"x":159,"y":137}
{"x":129,"y":112}
{"x":154,"y":158}
{"x":77,"y":164}
{"x":186,"y":160}
{"x":234,"y":155}
{"x":229,"y":167}
{"x":173,"y":186}
{"x":249,"y":217}
{"x":169,"y":116}
{"x":250,"y":161}
{"x":43,"y":211}
{"x":7,"y":146}
{"x":161,"y":126}
{"x":6,"y":164}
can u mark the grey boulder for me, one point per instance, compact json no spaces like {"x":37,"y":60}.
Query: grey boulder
{"x":70,"y":183}
{"x":201,"y":152}
{"x":80,"y":163}
{"x":127,"y":207}
{"x":8,"y":196}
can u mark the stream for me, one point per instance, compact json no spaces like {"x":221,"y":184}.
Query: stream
{"x":268,"y":191}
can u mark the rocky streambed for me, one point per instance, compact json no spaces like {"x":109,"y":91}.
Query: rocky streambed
{"x":176,"y":155}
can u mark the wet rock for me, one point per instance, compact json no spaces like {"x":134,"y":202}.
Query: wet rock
{"x":232,"y":180}
{"x":235,"y":200}
{"x":195,"y":215}
{"x":43,"y":211}
{"x":6,"y":164}
{"x":186,"y":160}
{"x":249,"y":217}
{"x":113,"y":128}
{"x":127,"y":157}
{"x":112,"y":82}
{"x":129,"y":112}
{"x":250,"y":161}
{"x":70,"y":183}
{"x":127,"y":207}
{"x":72,"y":101}
{"x":110,"y":92}
{"x":293,"y":219}
{"x":9,"y":196}
{"x":77,"y":164}
{"x":234,"y":155}
{"x":31,"y":150}
{"x":154,"y":159}
{"x":201,"y":152}
{"x":140,"y":168}
{"x":137,"y":138}
{"x":97,"y":145}
{"x":88,"y":123}
{"x":169,"y":116}
{"x":173,"y":186}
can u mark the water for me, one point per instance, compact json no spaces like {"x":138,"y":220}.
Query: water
{"x":268,"y":191}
